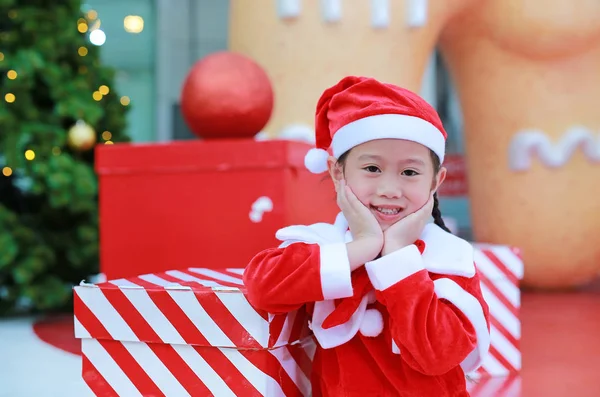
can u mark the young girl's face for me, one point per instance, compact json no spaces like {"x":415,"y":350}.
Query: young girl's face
{"x":391,"y":177}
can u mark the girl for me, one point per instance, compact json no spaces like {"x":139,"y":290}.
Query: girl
{"x":395,"y":302}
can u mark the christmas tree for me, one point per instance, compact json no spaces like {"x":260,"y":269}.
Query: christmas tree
{"x":56,"y":103}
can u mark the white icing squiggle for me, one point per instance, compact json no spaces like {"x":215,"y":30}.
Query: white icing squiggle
{"x":259,"y":207}
{"x":380,"y":13}
{"x":331,"y":10}
{"x":416,"y":13}
{"x":288,"y":8}
{"x":527,"y":143}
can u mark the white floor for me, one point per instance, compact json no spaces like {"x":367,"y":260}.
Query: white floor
{"x":32,"y":368}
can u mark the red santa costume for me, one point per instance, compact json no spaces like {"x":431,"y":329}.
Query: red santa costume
{"x":410,"y":323}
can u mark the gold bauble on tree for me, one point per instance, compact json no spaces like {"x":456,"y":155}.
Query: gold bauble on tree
{"x":81,"y":136}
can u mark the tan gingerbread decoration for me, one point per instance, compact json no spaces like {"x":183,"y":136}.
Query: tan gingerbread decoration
{"x":528,"y":76}
{"x":307,"y":45}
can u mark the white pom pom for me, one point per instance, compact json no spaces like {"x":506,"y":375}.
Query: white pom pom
{"x":372,"y":323}
{"x":316,"y":160}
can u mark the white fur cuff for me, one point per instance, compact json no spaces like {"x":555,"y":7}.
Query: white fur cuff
{"x":449,"y":290}
{"x":336,"y":280}
{"x":389,"y":269}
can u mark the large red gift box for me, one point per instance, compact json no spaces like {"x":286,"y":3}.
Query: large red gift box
{"x":215,"y":202}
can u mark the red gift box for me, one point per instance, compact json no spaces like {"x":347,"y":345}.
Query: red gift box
{"x":455,"y":184}
{"x":168,"y":206}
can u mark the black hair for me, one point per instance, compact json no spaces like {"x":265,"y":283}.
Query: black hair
{"x":435,"y":212}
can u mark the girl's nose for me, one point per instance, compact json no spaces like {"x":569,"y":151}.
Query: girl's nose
{"x":389,"y":189}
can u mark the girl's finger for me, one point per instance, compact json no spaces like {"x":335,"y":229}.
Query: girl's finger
{"x":353,"y":200}
{"x":343,"y":197}
{"x":426,"y":208}
{"x":339,"y":186}
{"x":422,"y":213}
{"x":429,"y":206}
{"x":338,"y":190}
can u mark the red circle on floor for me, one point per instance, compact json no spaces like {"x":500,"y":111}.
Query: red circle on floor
{"x":59,"y":332}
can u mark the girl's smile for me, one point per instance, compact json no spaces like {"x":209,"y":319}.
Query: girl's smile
{"x":387,"y":213}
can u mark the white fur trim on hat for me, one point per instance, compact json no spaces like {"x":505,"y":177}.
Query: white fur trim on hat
{"x":316,"y":160}
{"x":372,"y":323}
{"x":383,"y":126}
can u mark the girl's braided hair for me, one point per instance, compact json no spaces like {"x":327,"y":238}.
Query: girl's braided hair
{"x":435,"y":212}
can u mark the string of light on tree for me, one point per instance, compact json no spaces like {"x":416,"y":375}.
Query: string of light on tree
{"x":81,"y":136}
{"x":10,"y":98}
{"x":12,"y":75}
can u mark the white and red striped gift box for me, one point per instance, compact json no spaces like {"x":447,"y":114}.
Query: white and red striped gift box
{"x":503,"y":386}
{"x":501,"y":269}
{"x":188,"y":333}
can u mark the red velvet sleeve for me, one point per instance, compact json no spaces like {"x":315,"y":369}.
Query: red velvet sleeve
{"x":437,"y":322}
{"x":281,"y":280}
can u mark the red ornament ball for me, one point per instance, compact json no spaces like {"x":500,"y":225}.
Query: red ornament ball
{"x":226,"y":95}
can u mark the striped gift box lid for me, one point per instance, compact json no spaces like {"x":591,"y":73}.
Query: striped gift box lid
{"x":499,"y":262}
{"x":195,"y":306}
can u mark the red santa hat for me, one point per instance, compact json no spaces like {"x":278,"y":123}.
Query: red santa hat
{"x":360,"y":109}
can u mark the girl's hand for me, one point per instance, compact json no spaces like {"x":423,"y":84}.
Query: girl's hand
{"x":407,"y":230}
{"x":361,"y":221}
{"x":366,"y":233}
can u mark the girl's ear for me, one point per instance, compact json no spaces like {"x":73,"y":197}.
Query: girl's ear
{"x":439,"y":178}
{"x":335,"y":171}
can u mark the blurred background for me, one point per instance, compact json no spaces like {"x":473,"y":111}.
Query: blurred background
{"x":124,"y":124}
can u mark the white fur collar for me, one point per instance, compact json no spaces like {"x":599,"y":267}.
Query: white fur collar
{"x":444,"y":252}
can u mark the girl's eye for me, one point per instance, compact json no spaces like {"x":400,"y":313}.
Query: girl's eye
{"x":410,"y":173}
{"x":372,"y":168}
